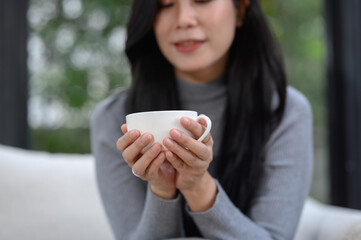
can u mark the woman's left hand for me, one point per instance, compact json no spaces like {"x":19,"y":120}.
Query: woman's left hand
{"x":191,"y":159}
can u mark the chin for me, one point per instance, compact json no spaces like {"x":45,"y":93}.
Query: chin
{"x":190,"y":68}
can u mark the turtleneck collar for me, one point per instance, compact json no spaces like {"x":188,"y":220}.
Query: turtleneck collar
{"x":201,"y":91}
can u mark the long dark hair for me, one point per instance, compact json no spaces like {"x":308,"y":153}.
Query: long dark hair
{"x":255,"y":76}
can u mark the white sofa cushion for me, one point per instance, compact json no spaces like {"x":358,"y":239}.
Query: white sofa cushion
{"x":49,"y":196}
{"x":320,"y":221}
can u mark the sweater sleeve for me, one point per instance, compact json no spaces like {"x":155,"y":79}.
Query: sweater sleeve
{"x":285,"y":183}
{"x":133,"y":211}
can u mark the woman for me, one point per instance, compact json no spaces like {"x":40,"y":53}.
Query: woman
{"x":249,"y":178}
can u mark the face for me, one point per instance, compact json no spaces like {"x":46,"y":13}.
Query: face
{"x":195,"y":36}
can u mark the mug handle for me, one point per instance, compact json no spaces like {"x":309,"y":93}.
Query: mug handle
{"x":208,"y":128}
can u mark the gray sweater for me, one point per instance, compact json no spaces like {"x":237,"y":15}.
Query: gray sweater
{"x":134,"y":212}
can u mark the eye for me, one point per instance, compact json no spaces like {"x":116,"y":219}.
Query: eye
{"x":161,"y":6}
{"x":165,"y":4}
{"x":202,"y":1}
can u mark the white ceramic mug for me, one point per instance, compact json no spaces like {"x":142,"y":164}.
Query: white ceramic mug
{"x":159,"y":123}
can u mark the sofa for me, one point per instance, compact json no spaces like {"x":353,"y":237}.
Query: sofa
{"x":47,"y":196}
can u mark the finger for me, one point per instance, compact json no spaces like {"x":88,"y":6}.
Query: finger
{"x":185,"y":156}
{"x":197,"y":129}
{"x":131,"y":153}
{"x":208,"y":140}
{"x":166,"y":168}
{"x":127,"y":139}
{"x":153,"y":168}
{"x":201,"y":150}
{"x":194,"y":127}
{"x":124,"y":128}
{"x":143,"y":163}
{"x":176,"y":162}
{"x":203,"y":122}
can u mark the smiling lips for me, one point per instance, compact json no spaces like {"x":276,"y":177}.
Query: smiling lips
{"x":189,"y":45}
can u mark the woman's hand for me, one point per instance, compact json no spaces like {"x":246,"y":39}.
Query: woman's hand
{"x":150,"y":166}
{"x":191,"y":159}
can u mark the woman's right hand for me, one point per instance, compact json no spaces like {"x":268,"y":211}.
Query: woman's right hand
{"x":151,"y":166}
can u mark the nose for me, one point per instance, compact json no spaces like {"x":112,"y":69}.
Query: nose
{"x":186,"y":15}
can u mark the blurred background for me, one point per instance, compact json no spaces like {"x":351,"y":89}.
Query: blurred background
{"x":75,"y":59}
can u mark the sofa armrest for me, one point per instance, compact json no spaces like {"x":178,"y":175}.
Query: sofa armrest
{"x":320,"y":221}
{"x":49,"y":196}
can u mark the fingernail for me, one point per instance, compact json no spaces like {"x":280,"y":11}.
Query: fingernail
{"x":133,"y":134}
{"x":169,"y":155}
{"x":169,"y":142}
{"x":175,"y":133}
{"x":155,"y":148}
{"x":161,"y":156}
{"x":145,"y":138}
{"x":186,"y":121}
